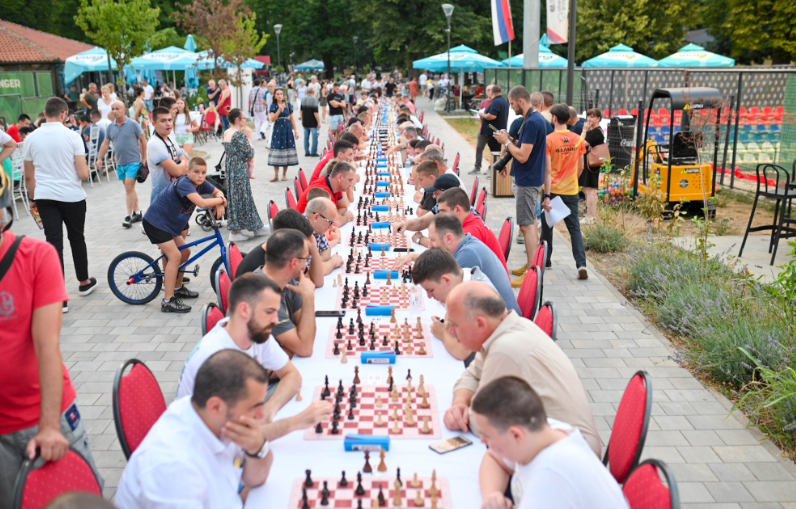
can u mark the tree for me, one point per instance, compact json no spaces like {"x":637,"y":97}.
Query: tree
{"x":243,"y":43}
{"x":121,"y":27}
{"x":214,"y":21}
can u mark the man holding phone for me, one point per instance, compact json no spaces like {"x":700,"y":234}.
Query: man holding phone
{"x":494,"y":118}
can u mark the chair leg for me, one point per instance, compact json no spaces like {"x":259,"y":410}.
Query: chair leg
{"x":748,"y":226}
{"x":779,"y":210}
{"x":778,"y":231}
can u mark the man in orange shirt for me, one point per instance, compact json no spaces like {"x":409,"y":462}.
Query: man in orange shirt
{"x":564,"y":163}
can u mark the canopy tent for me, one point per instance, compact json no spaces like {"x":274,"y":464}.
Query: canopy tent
{"x":311,"y":65}
{"x":696,"y":56}
{"x":621,"y":56}
{"x":205,"y":61}
{"x":462,"y":59}
{"x":191,"y":78}
{"x":93,"y":60}
{"x":546,"y":59}
{"x":190,"y":43}
{"x":463,"y":49}
{"x":166,"y":59}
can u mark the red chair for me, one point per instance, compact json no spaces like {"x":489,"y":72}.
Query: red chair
{"x":547,"y":319}
{"x":234,"y":258}
{"x":481,"y":197}
{"x":298,"y":189}
{"x":303,"y":179}
{"x":630,"y":427}
{"x":208,"y":125}
{"x":36,"y":487}
{"x":223,"y":284}
{"x":530,"y":293}
{"x":481,"y":210}
{"x":422,"y":116}
{"x":290,"y":199}
{"x":540,"y":259}
{"x":506,"y":236}
{"x":623,"y":111}
{"x":645,"y":489}
{"x":211,"y":315}
{"x":137,"y":404}
{"x":455,"y":166}
{"x":474,"y":193}
{"x":272,"y":212}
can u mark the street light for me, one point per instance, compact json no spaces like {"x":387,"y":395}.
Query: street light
{"x":356,"y":38}
{"x":448,"y":10}
{"x":278,"y":29}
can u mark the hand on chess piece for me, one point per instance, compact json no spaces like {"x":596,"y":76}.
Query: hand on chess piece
{"x":438,"y":327}
{"x":399,"y":227}
{"x":319,"y":411}
{"x":337,"y":261}
{"x":497,"y":500}
{"x":403,"y":261}
{"x":246,"y":432}
{"x":457,"y":417}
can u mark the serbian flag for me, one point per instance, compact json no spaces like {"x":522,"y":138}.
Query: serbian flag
{"x":502,"y":26}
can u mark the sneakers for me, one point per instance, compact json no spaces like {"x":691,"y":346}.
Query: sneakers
{"x":174,"y":305}
{"x":66,"y":308}
{"x":520,"y":239}
{"x":517,"y":283}
{"x":137,"y":217}
{"x":184,"y":293}
{"x":265,"y":230}
{"x":87,"y":289}
{"x":474,"y":171}
{"x":522,"y":270}
{"x":128,"y":221}
{"x":238,"y":237}
{"x":186,"y":279}
{"x":583,"y":273}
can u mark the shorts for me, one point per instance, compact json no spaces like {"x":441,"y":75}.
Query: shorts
{"x":590,"y":177}
{"x":182,"y":139}
{"x":128,"y":171}
{"x":156,"y":235}
{"x":527,"y":204}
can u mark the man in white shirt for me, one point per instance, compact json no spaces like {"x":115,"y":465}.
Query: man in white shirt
{"x":553,"y":464}
{"x":165,"y":159}
{"x":423,"y":80}
{"x":149,"y":93}
{"x":7,"y":146}
{"x":366,"y":85}
{"x":202,"y":448}
{"x":254,"y":302}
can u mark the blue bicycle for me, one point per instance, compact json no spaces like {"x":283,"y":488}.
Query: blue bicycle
{"x":136,"y":278}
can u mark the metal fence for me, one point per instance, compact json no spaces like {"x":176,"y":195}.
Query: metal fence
{"x":761,"y":102}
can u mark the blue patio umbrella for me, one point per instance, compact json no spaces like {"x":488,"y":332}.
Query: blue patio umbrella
{"x":464,"y":59}
{"x":621,"y":56}
{"x":166,"y":59}
{"x":696,"y":56}
{"x":93,"y":60}
{"x":205,"y":61}
{"x":310,"y":65}
{"x":190,"y":44}
{"x":546,"y":57}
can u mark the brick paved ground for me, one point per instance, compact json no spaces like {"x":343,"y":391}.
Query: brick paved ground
{"x":718,"y":463}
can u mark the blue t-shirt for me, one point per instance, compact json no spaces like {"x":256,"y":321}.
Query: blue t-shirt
{"x":474,"y":253}
{"x":531,"y":173}
{"x":170,"y":212}
{"x":500,"y":108}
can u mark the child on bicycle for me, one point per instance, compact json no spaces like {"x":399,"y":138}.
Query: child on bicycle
{"x":168,"y":216}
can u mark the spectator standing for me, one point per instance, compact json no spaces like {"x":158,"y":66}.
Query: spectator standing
{"x":389,"y":88}
{"x":129,"y":148}
{"x":105,"y":101}
{"x":165,"y":159}
{"x":224,"y":103}
{"x":575,"y":123}
{"x":38,"y":409}
{"x":484,"y":133}
{"x":548,"y":99}
{"x":529,"y":168}
{"x":423,"y":81}
{"x":72,"y":95}
{"x":212,"y":92}
{"x":301,"y":89}
{"x":149,"y":95}
{"x":563,"y":163}
{"x":258,"y":107}
{"x":311,"y":122}
{"x":336,"y":108}
{"x":140,"y":113}
{"x":413,"y":90}
{"x":590,"y":178}
{"x":184,"y":126}
{"x":283,"y":141}
{"x":13,"y":131}
{"x":90,"y":98}
{"x":55,"y":163}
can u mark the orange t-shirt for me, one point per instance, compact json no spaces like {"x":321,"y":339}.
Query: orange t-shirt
{"x":565,"y":148}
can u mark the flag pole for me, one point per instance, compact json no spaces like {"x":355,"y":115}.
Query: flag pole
{"x":509,"y":53}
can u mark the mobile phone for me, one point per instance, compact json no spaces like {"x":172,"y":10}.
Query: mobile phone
{"x":326,"y":314}
{"x":493,"y":128}
{"x":450,"y":445}
{"x":403,"y":249}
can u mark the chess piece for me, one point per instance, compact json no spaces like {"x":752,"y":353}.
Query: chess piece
{"x":376,"y":504}
{"x":381,"y":499}
{"x":379,"y":421}
{"x":339,"y":280}
{"x":392,"y":319}
{"x":325,"y":493}
{"x":360,"y":491}
{"x":421,"y":389}
{"x":344,"y":481}
{"x":389,"y":278}
{"x":383,"y":251}
{"x":308,"y":481}
{"x":396,"y":429}
{"x":379,"y":404}
{"x":382,"y":465}
{"x":319,"y":428}
{"x":351,"y":413}
{"x":389,"y":375}
{"x":433,"y":501}
{"x":422,"y":349}
{"x":326,"y":390}
{"x":419,"y":498}
{"x":397,"y":501}
{"x":305,"y":501}
{"x":334,"y":430}
{"x":356,"y":375}
{"x":398,"y":476}
{"x":415,"y":481}
{"x":409,"y":375}
{"x":395,"y":395}
{"x":410,"y":418}
{"x":425,"y":403}
{"x":426,"y":428}
{"x":397,"y":348}
{"x":385,"y":342}
{"x":344,"y":358}
{"x":367,"y":468}
{"x":334,"y":283}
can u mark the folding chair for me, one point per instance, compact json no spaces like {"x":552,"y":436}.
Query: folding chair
{"x":272,"y":211}
{"x":645,"y":489}
{"x":630,"y":427}
{"x":474,"y":193}
{"x":211,"y":315}
{"x":137,"y":404}
{"x":547,"y":319}
{"x":297,"y":186}
{"x":302,"y":179}
{"x":234,"y":258}
{"x":530,"y":293}
{"x":290,"y":199}
{"x":223,"y":284}
{"x":93,"y":155}
{"x":37,"y":486}
{"x":506,"y":236}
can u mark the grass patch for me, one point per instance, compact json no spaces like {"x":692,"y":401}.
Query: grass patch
{"x":467,"y":127}
{"x":604,"y":237}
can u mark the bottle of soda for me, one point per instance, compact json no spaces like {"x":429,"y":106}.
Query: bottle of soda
{"x":34,"y":211}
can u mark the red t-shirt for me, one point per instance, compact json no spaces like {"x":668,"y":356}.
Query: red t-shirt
{"x":13,"y":131}
{"x":321,"y":165}
{"x":323,"y":183}
{"x":476,"y":227}
{"x":34,"y":280}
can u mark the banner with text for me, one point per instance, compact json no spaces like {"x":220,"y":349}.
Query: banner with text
{"x":557,"y":21}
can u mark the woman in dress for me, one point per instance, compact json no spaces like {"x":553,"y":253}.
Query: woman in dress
{"x":242,"y":211}
{"x":322,"y":101}
{"x":105,"y":101}
{"x":184,"y":126}
{"x":291,"y":89}
{"x":590,"y":178}
{"x":283,"y":141}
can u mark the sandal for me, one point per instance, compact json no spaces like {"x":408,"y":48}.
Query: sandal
{"x":275,"y":179}
{"x":284,"y":178}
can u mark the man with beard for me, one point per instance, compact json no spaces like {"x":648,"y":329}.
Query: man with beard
{"x":254,"y":305}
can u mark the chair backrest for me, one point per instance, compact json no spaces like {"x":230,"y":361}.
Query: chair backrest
{"x":481,"y":197}
{"x":474,"y":193}
{"x":223,"y":284}
{"x":645,"y":489}
{"x":456,"y":164}
{"x":422,"y":116}
{"x":211,"y":315}
{"x":506,"y":236}
{"x":273,"y":209}
{"x":137,"y":404}
{"x":481,"y":209}
{"x":530,"y":292}
{"x":297,"y":186}
{"x":290,"y":200}
{"x":540,"y":258}
{"x":630,"y":427}
{"x":35,"y":487}
{"x":547,"y":319}
{"x":302,"y":179}
{"x":234,"y":259}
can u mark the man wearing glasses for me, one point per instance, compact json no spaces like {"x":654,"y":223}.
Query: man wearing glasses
{"x":322,"y":213}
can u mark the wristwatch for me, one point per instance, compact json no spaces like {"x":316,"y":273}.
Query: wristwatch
{"x":419,"y":238}
{"x":262,"y":453}
{"x":507,"y":144}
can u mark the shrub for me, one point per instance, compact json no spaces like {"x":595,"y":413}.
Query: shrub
{"x":604,"y":237}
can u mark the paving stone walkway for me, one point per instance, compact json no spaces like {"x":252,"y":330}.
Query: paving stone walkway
{"x":719,"y":463}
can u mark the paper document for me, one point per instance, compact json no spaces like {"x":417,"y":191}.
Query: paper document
{"x":559,"y":212}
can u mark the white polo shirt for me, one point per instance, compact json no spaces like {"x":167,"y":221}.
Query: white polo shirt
{"x":566,"y":475}
{"x":269,"y":354}
{"x":181,"y":463}
{"x":52,"y":148}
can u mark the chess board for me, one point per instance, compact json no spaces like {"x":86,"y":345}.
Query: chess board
{"x":376,"y":262}
{"x":377,"y":237}
{"x":379,"y":217}
{"x":345,"y":496}
{"x":393,"y":331}
{"x":382,"y":295}
{"x":366,"y":413}
{"x":372,"y":189}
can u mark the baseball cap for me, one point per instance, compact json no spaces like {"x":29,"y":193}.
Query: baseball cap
{"x":443,"y":183}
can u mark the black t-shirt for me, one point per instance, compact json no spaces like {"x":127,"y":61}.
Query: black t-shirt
{"x":578,"y":127}
{"x":595,"y":137}
{"x":428,"y":202}
{"x":309,"y":107}
{"x":252,"y":261}
{"x":390,"y":88}
{"x":335,"y":97}
{"x":500,"y":108}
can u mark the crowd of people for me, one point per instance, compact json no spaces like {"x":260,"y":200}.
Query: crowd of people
{"x":519,"y":392}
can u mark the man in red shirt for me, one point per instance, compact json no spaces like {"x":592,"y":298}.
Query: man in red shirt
{"x":337,"y":183}
{"x":38,"y":412}
{"x":343,"y":150}
{"x":13,"y":131}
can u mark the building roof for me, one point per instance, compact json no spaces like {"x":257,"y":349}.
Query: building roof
{"x":20,"y":44}
{"x":266,"y":59}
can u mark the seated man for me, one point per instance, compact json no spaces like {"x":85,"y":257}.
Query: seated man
{"x":409,"y":134}
{"x":509,"y":345}
{"x":194,"y":454}
{"x":340,"y":180}
{"x":322,"y":213}
{"x":433,"y":184}
{"x":434,"y":153}
{"x":553,"y":465}
{"x":342,"y":151}
{"x":437,"y":272}
{"x":333,"y":233}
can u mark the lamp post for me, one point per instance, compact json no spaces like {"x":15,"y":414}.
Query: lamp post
{"x":278,"y":30}
{"x":356,"y":38}
{"x":448,"y":9}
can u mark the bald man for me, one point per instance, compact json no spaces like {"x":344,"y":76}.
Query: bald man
{"x":509,"y":345}
{"x":322,"y":213}
{"x":575,"y":123}
{"x":129,"y":149}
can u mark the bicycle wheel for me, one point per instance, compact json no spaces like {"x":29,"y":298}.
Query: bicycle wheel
{"x":216,"y":264}
{"x":133,"y":278}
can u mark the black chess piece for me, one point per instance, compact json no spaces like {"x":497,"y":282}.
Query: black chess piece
{"x":389,"y":389}
{"x":337,"y":410}
{"x":398,"y":476}
{"x":408,"y":374}
{"x":305,"y":501}
{"x":336,"y":350}
{"x":308,"y":481}
{"x":359,"y":503}
{"x":385,"y":342}
{"x":325,"y":496}
{"x":359,"y":316}
{"x":397,"y":348}
{"x":334,"y":430}
{"x":326,"y":390}
{"x":325,"y":490}
{"x":340,"y":388}
{"x":361,"y":337}
{"x":372,"y":343}
{"x":360,"y":491}
{"x":382,"y":502}
{"x":367,"y":280}
{"x":319,"y":428}
{"x":351,"y":413}
{"x":343,"y":481}
{"x":351,"y":327}
{"x":349,"y":346}
{"x":365,"y":289}
{"x":339,"y":334}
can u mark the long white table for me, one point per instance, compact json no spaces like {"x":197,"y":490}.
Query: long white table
{"x":327,"y":458}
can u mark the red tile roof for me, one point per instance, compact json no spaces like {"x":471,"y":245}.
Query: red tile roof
{"x":266,"y":59}
{"x":20,"y":44}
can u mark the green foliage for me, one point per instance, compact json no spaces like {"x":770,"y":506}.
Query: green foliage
{"x":605,"y":236}
{"x":784,"y":287}
{"x":652,"y":203}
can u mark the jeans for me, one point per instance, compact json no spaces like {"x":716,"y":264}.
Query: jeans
{"x":573,"y":225}
{"x":314,"y":132}
{"x":335,"y":121}
{"x":150,"y":105}
{"x":479,"y":150}
{"x":57,"y":214}
{"x":224,"y":122}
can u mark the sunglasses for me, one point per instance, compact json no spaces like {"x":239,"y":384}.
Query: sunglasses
{"x":326,"y":219}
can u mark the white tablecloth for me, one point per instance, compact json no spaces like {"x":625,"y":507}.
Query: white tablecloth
{"x":293,"y":455}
